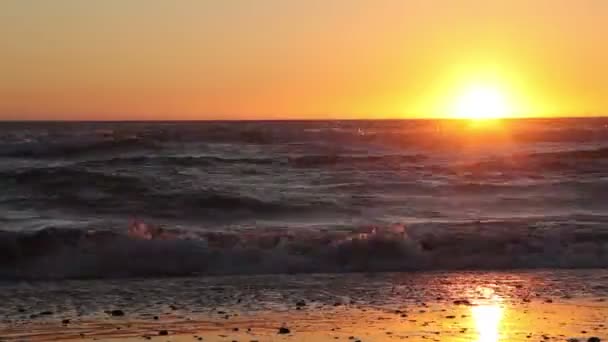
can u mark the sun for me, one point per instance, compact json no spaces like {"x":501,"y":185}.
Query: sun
{"x":481,"y":102}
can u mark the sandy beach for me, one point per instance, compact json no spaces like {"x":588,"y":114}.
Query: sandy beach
{"x":454,"y":306}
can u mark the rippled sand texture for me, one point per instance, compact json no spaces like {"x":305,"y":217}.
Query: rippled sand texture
{"x":471,"y":306}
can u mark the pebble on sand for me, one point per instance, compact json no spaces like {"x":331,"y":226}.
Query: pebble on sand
{"x":462,"y":302}
{"x":163,"y":333}
{"x":116,"y":313}
{"x":283,"y":330}
{"x":593,"y":339}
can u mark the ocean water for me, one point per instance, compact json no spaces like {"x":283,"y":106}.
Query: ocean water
{"x":111,"y":200}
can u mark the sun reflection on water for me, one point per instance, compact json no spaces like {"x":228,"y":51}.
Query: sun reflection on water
{"x":487,"y":317}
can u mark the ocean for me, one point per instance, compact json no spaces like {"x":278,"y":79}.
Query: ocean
{"x":161,"y":199}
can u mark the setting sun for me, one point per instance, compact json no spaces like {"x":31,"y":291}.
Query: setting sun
{"x":481,"y":102}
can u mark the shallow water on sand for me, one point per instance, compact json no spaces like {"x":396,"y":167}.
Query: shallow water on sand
{"x":441,"y":306}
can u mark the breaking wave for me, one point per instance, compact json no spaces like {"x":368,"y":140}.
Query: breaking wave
{"x":299,"y":176}
{"x":147,"y":251}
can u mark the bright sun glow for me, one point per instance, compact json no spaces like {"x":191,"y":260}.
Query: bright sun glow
{"x":487,"y":319}
{"x":481,"y":102}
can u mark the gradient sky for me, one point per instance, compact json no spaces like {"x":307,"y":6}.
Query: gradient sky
{"x":269,"y":59}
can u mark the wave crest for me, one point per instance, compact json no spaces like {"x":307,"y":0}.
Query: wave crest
{"x":145,"y":251}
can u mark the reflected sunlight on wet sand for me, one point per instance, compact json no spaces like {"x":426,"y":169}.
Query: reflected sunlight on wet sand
{"x":473,"y":306}
{"x":488,"y":320}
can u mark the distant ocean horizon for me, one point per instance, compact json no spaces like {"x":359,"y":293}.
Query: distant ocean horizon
{"x":313,"y":119}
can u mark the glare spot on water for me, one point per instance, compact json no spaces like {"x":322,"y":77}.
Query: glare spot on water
{"x":487,"y":317}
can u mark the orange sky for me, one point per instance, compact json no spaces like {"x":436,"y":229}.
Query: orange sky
{"x":278,"y":59}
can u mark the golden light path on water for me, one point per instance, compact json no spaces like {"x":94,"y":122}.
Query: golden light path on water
{"x":487,"y":317}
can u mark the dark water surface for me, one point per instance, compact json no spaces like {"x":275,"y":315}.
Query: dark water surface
{"x":147,"y":199}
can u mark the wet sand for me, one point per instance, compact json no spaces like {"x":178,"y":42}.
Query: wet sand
{"x":484,"y":307}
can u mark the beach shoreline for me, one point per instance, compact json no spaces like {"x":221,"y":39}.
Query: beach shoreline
{"x":546,"y":305}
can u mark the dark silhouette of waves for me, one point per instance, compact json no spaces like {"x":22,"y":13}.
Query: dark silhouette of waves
{"x":146,"y":251}
{"x":84,"y":190}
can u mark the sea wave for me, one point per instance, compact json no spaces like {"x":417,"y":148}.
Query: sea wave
{"x":148,"y":251}
{"x":378,"y":161}
{"x":574,"y":161}
{"x":85,"y":190}
{"x":66,"y":179}
{"x":74,"y":147}
{"x":195,"y":161}
{"x":586,"y":154}
{"x":298,"y":161}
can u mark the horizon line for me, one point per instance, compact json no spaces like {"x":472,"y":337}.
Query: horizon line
{"x":599,"y":116}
